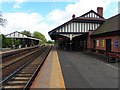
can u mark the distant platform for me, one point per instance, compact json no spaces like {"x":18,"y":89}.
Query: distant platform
{"x":5,"y":49}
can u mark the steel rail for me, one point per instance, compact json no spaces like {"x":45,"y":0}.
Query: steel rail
{"x":27,"y":85}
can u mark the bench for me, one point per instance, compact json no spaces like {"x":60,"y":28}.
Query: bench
{"x":101,"y":51}
{"x":93,"y":50}
{"x":112,"y":57}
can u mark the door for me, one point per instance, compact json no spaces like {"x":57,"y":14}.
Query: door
{"x":94,"y":44}
{"x":108,"y":45}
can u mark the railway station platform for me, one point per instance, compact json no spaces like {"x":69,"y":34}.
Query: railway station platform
{"x":81,"y":70}
{"x":50,"y":75}
{"x":65,"y":69}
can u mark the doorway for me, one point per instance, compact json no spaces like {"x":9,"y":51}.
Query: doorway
{"x":108,"y":45}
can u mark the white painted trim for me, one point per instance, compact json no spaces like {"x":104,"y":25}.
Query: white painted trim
{"x":70,"y":35}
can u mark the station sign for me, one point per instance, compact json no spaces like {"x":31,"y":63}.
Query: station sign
{"x":97,"y":43}
{"x":103,"y":43}
{"x":116,"y":43}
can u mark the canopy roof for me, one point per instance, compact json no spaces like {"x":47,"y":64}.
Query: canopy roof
{"x":17,"y":34}
{"x":110,"y":25}
{"x":89,"y":17}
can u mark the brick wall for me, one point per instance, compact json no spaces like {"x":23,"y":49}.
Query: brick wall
{"x":101,"y":43}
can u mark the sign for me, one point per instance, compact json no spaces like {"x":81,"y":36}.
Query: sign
{"x":116,"y":43}
{"x":97,"y":43}
{"x":103,"y":43}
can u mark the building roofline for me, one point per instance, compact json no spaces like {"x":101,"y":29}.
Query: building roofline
{"x":29,"y":37}
{"x":89,"y":12}
{"x":107,"y":20}
{"x":78,"y":19}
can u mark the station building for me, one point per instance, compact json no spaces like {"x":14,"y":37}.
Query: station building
{"x":106,"y":38}
{"x":22,"y":40}
{"x":90,"y":31}
{"x":73,"y":35}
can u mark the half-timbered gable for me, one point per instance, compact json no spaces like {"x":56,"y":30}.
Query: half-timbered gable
{"x":89,"y":21}
{"x":91,"y":14}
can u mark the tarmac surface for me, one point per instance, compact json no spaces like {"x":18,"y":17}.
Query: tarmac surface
{"x":82,"y":70}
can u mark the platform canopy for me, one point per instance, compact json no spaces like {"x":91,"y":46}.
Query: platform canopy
{"x":73,"y":34}
{"x":19,"y":35}
{"x":24,"y":41}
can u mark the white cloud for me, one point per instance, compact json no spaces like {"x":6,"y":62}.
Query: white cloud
{"x":116,"y":0}
{"x":14,"y":1}
{"x":24,"y":21}
{"x":78,"y":8}
{"x":18,"y":3}
{"x":41,"y":0}
{"x":84,"y":6}
{"x":58,"y":16}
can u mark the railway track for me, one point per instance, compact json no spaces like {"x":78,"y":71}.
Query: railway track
{"x":10,"y":66}
{"x":22,"y":78}
{"x":10,"y":55}
{"x":24,"y":54}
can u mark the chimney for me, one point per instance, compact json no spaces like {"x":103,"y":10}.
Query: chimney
{"x":73,"y":16}
{"x":100,"y":11}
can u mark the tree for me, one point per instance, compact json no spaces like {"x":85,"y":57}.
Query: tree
{"x":3,"y":21}
{"x":39,"y":36}
{"x":50,"y":42}
{"x":6,"y":42}
{"x":27,"y":33}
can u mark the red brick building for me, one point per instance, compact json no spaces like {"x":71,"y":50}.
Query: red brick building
{"x":106,"y":38}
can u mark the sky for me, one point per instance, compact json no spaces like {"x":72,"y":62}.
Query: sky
{"x":45,"y":15}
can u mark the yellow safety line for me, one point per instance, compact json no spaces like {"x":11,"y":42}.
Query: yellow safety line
{"x":56,"y":80}
{"x":61,"y":75}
